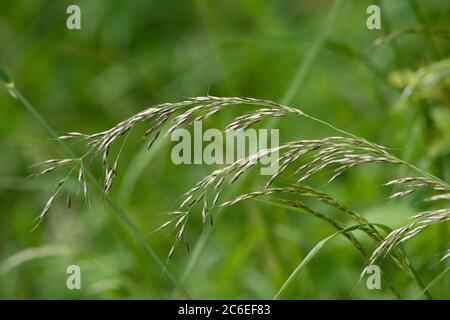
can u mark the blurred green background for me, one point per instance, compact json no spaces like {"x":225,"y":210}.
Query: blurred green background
{"x":315,"y":55}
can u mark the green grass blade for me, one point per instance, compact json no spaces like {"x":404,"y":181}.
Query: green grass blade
{"x":433,"y":282}
{"x":311,"y":255}
{"x":303,"y":69}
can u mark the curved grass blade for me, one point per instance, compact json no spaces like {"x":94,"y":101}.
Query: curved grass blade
{"x":314,"y":252}
{"x":433,"y":282}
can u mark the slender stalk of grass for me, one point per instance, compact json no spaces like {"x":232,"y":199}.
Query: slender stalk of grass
{"x":303,"y":69}
{"x":434,"y":281}
{"x":294,"y":206}
{"x":443,"y":33}
{"x":116,"y":208}
{"x":399,"y":256}
{"x":317,"y":248}
{"x":368,"y":226}
{"x":314,"y":251}
{"x":209,"y":21}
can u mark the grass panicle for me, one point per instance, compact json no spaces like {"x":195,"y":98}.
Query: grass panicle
{"x":305,"y":158}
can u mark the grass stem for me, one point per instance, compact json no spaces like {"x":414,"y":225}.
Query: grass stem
{"x":116,"y":208}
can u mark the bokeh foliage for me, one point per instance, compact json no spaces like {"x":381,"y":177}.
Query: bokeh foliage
{"x":316,"y":55}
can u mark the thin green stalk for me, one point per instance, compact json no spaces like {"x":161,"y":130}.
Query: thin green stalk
{"x":303,"y":68}
{"x":338,"y":227}
{"x":116,"y":208}
{"x":434,"y":281}
{"x":310,"y":256}
{"x":319,"y":245}
{"x":419,"y":281}
{"x":423,"y":172}
{"x":226,"y":67}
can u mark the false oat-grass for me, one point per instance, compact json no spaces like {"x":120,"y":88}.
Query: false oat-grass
{"x":305,"y":157}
